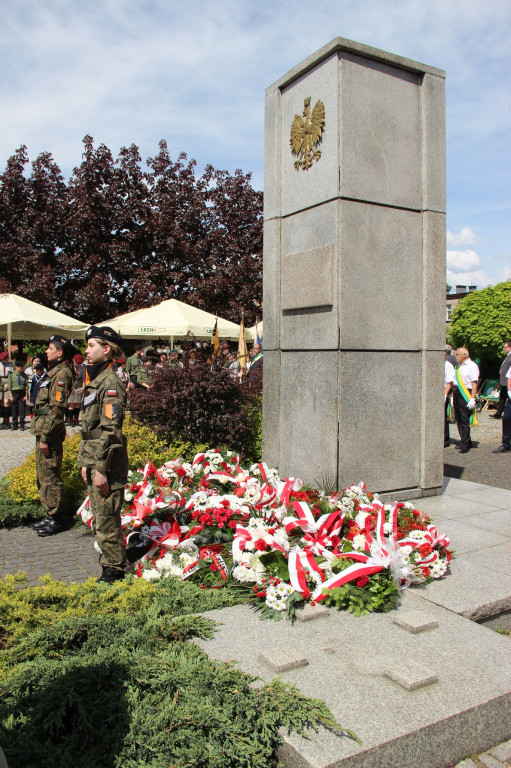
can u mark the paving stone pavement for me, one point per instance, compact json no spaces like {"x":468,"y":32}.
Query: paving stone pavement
{"x":480,"y":465}
{"x":68,"y":557}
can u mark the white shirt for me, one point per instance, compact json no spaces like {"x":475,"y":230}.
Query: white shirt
{"x":469,"y":372}
{"x":448,"y":372}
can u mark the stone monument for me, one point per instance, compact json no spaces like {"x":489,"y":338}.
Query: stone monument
{"x":354,"y":271}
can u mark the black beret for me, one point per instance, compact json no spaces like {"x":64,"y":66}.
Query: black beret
{"x":105,"y":333}
{"x":68,"y":349}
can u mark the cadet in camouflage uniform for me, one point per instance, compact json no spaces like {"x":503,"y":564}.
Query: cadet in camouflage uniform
{"x":103,"y":454}
{"x":50,"y":431}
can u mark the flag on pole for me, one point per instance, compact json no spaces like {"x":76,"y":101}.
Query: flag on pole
{"x":215,"y":340}
{"x":242,"y":348}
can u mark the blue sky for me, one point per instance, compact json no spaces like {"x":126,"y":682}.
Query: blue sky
{"x":195,"y":72}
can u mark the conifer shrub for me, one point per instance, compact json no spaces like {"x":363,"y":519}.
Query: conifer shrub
{"x":104,"y":676}
{"x":204,"y":405}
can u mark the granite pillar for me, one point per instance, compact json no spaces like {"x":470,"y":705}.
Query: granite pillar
{"x":354,"y":271}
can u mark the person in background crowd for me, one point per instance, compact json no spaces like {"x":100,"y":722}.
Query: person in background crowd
{"x":162,"y":361}
{"x":256,"y":357}
{"x":449,"y":355}
{"x":121,"y":371}
{"x":30,"y":371}
{"x":174,"y":358}
{"x":224,"y":360}
{"x":504,"y":368}
{"x":505,"y":447}
{"x":465,"y":393}
{"x":192,"y":357}
{"x":103,"y":455}
{"x":448,"y":384}
{"x":145,"y":374}
{"x":134,"y":363}
{"x":234,"y":366}
{"x":5,"y":395}
{"x":17,"y":384}
{"x":50,"y":432}
{"x":75,"y":399}
{"x":37,"y":377}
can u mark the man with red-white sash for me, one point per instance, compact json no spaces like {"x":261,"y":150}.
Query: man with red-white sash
{"x":466,"y":376}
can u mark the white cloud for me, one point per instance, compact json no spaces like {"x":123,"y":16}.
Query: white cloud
{"x":464,"y":237}
{"x":462,"y":261}
{"x":477,"y":277}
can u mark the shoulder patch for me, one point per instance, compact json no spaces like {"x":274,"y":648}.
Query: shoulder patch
{"x":111,"y":393}
{"x":60,"y":383}
{"x":112,"y":410}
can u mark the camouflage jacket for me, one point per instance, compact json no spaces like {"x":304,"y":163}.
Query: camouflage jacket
{"x":51,"y":402}
{"x":103,"y":445}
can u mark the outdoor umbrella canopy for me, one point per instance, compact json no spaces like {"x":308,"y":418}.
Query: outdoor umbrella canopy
{"x":21,"y":318}
{"x":171,"y":319}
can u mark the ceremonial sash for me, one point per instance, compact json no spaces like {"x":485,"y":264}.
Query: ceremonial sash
{"x":466,"y":396}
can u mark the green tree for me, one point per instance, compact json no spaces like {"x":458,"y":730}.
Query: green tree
{"x":482,"y":321}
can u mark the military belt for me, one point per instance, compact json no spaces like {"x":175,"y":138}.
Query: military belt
{"x":41,"y":411}
{"x":92,"y":435}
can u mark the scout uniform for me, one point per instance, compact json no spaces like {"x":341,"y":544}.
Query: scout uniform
{"x":133,"y":365}
{"x":17,"y":384}
{"x":48,"y":427}
{"x":104,"y":449}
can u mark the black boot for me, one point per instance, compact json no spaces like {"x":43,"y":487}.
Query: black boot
{"x":41,"y":523}
{"x":110,"y":575}
{"x":51,"y":527}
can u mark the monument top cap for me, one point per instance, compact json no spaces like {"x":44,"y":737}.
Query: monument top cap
{"x":341,"y":44}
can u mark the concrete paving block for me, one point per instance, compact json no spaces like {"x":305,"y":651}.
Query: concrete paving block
{"x":467,"y":764}
{"x":502,"y":751}
{"x":415,"y":622}
{"x":464,"y":537}
{"x":311,"y":612}
{"x":494,"y":558}
{"x":488,"y":761}
{"x":497,"y":520}
{"x":474,"y":592}
{"x":496,"y":497}
{"x":453,"y":486}
{"x":282,"y":659}
{"x":411,"y":676}
{"x":449,"y":506}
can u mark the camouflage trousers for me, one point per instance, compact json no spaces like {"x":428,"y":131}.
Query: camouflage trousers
{"x":106,"y":524}
{"x":49,"y":480}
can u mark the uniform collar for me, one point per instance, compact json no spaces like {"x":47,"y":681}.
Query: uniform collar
{"x":51,"y":372}
{"x":97,"y":372}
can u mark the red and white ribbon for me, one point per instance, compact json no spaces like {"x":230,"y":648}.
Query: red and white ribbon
{"x":286,"y":487}
{"x":300,"y":561}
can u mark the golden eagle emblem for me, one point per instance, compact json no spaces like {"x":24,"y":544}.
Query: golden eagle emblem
{"x":306,"y":134}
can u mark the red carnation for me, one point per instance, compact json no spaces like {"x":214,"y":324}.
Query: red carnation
{"x":362,"y":581}
{"x":260,"y":544}
{"x":425,"y":549}
{"x":232,"y":523}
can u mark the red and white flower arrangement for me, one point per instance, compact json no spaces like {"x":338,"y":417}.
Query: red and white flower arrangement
{"x":216,"y":523}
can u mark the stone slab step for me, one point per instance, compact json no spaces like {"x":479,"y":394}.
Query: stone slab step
{"x":416,"y":699}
